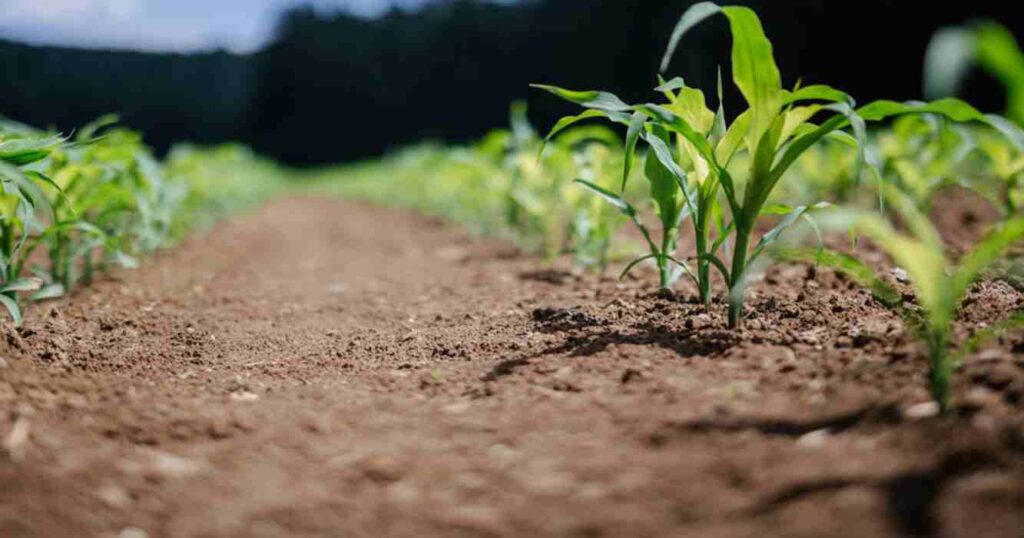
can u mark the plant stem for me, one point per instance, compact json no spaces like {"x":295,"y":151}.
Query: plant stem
{"x":738,"y":276}
{"x":703,"y":264}
{"x":941,"y":371}
{"x":668,"y":247}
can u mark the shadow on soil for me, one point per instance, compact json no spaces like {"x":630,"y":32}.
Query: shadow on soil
{"x":910,"y":497}
{"x":583,"y":344}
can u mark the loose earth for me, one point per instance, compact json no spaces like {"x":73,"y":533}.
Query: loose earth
{"x":325,"y":368}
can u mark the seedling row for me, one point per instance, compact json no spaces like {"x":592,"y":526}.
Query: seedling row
{"x":73,"y":206}
{"x":746,"y":186}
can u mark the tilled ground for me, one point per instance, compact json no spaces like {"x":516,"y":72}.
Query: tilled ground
{"x":331,"y":369}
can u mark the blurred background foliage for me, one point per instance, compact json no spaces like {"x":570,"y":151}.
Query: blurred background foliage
{"x":333,"y":86}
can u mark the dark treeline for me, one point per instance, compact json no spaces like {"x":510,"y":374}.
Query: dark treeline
{"x":337,"y":87}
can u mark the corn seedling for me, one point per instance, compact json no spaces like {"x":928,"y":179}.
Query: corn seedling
{"x":594,"y":222}
{"x":939,"y":285}
{"x":681,"y":184}
{"x":922,"y":154}
{"x":1000,"y":176}
{"x":954,"y":50}
{"x":775,"y":130}
{"x":89,"y":203}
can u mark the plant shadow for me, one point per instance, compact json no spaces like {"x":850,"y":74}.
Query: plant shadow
{"x":587,"y":339}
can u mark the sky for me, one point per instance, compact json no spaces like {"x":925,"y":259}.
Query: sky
{"x":161,"y":25}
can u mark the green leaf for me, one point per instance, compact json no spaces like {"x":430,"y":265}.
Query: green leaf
{"x":924,"y":262}
{"x":631,"y":265}
{"x":953,"y":109}
{"x":636,"y":127}
{"x":847,"y":264}
{"x":88,"y":133}
{"x":754,"y":70}
{"x":22,"y":151}
{"x":665,"y":176}
{"x":717,"y":263}
{"x":974,"y":343}
{"x":947,"y":61}
{"x":816,"y":92}
{"x":676,"y":124}
{"x":22,"y":284}
{"x":12,"y":308}
{"x":610,"y":197}
{"x":567,"y":122}
{"x":753,"y":63}
{"x":691,"y":17}
{"x":719,"y":129}
{"x":733,"y":138}
{"x":27,"y":190}
{"x":999,"y":53}
{"x":589,"y":99}
{"x":792,"y":216}
{"x":987,"y":251}
{"x":50,"y":291}
{"x":672,"y":85}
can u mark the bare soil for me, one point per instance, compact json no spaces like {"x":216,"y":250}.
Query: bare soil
{"x":322,"y":368}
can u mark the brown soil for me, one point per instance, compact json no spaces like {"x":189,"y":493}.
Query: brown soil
{"x":325,"y":368}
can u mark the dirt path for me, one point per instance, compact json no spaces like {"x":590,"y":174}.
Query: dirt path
{"x":321,"y":368}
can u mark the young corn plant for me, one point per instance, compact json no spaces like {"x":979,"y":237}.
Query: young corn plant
{"x":1001,"y":177}
{"x":776,"y":129}
{"x":939,"y":284}
{"x":25,"y":209}
{"x":594,"y":223}
{"x":923,"y":154}
{"x":681,"y":184}
{"x":952,"y":51}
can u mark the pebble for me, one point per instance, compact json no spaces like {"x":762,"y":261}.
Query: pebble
{"x":814,"y":439}
{"x":979,"y":398}
{"x":1000,"y":376}
{"x":114,"y":496}
{"x":244,"y":396}
{"x":162,"y":465}
{"x":922,"y":410}
{"x":698,"y":322}
{"x":456,"y":408}
{"x":4,"y":364}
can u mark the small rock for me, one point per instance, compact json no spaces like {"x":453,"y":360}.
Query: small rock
{"x":989,"y":355}
{"x":977,"y":399}
{"x":1000,"y":376}
{"x":114,"y":496}
{"x":162,"y":465}
{"x":133,"y":532}
{"x":14,"y":443}
{"x":700,"y":321}
{"x":220,"y":428}
{"x":456,"y":408}
{"x":244,"y":396}
{"x":4,"y":364}
{"x":382,"y":469}
{"x":814,"y":439}
{"x":563,"y":373}
{"x":922,"y":410}
{"x":900,"y":275}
